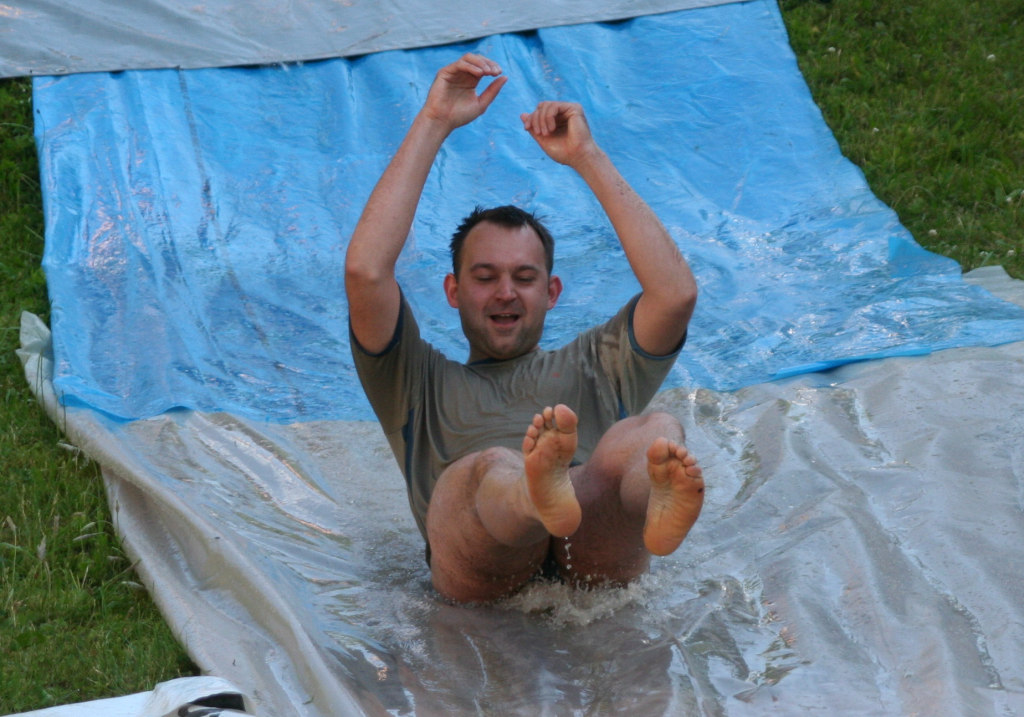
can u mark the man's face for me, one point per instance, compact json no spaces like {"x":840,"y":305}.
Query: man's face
{"x":503,"y":291}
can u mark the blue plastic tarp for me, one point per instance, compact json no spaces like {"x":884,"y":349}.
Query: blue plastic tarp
{"x":197,"y":220}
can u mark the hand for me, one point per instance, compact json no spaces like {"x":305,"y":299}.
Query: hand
{"x":561,"y":130}
{"x":453,"y":100}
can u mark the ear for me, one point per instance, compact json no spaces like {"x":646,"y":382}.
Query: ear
{"x":451,"y":285}
{"x":554,"y":291}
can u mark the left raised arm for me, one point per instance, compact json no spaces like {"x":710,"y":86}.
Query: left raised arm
{"x":669,"y":288}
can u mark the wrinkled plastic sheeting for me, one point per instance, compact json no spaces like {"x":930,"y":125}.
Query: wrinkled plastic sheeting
{"x":196,"y":221}
{"x":207,"y":696}
{"x":858,"y":554}
{"x":41,"y":37}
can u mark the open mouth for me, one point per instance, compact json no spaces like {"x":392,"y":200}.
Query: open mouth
{"x":505,"y":319}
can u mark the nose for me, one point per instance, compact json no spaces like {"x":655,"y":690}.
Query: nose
{"x":505,"y":289}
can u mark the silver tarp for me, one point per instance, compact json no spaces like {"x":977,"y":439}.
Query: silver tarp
{"x":859,"y":553}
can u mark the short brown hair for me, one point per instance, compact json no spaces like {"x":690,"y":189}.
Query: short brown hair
{"x":508,"y":216}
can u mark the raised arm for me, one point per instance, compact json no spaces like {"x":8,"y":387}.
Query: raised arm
{"x":373,"y":294}
{"x":669,"y":288}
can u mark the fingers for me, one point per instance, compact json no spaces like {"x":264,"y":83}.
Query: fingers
{"x":549,"y":116}
{"x":492,"y":90}
{"x":477,"y":65}
{"x":453,"y":100}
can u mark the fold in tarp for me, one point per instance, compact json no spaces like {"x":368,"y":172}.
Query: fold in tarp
{"x":858,"y":554}
{"x":42,"y":37}
{"x":197,"y":696}
{"x":196,"y":221}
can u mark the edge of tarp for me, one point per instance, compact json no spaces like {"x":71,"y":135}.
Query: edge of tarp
{"x":173,"y":697}
{"x":187,"y":540}
{"x":45,"y":38}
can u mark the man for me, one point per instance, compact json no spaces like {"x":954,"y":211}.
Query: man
{"x":498,"y":482}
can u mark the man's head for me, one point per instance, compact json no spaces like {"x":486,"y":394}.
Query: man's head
{"x":501,"y":281}
{"x":510,"y":217}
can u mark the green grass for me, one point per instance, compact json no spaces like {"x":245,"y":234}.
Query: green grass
{"x":924,"y":96}
{"x":74,"y":623}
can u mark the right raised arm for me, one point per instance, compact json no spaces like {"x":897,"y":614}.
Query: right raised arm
{"x":373,"y":294}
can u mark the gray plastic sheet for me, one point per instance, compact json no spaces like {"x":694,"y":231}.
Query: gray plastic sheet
{"x":859,"y":553}
{"x":51,"y":37}
{"x":202,"y":696}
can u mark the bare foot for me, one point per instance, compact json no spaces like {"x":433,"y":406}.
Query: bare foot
{"x":548,"y":448}
{"x":677,"y":494}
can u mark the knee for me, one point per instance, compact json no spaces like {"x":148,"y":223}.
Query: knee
{"x":488,"y":459}
{"x":659,"y":424}
{"x":638,"y":432}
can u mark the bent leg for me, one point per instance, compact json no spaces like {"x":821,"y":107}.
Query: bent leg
{"x":641,"y":491}
{"x":492,"y":513}
{"x":467,"y":562}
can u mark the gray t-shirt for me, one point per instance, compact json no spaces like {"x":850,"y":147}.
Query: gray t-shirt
{"x":434,"y":410}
